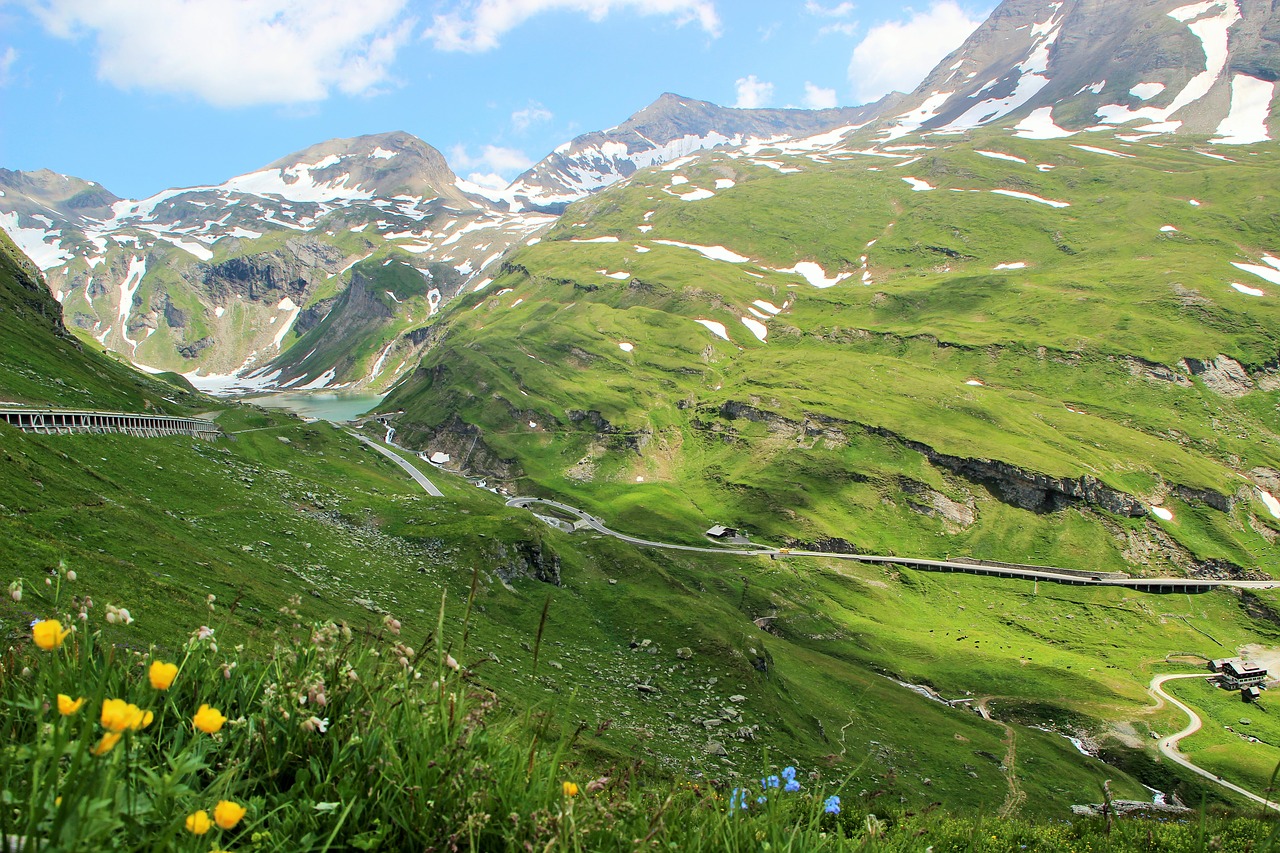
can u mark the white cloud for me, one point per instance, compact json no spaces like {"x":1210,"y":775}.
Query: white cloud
{"x":7,"y":60}
{"x":847,"y":28}
{"x":818,"y":98}
{"x":900,"y":54}
{"x":842,"y":10}
{"x":234,"y":54}
{"x":482,"y":23}
{"x":492,"y":157}
{"x":521,"y":120}
{"x":752,"y":94}
{"x":489,"y":180}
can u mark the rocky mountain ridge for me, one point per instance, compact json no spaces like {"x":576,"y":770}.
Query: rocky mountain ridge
{"x":668,"y":129}
{"x":1061,"y":67}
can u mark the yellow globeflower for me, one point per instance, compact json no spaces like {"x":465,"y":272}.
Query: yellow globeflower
{"x":108,"y":743}
{"x":199,"y":823}
{"x":162,"y":674}
{"x":570,"y":789}
{"x":227,"y":814}
{"x":208,"y":720}
{"x":49,"y":634}
{"x":118,"y":715}
{"x":68,"y":706}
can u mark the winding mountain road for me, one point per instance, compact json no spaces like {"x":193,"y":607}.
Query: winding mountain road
{"x":413,"y":472}
{"x":1025,"y":573}
{"x":1169,"y":745}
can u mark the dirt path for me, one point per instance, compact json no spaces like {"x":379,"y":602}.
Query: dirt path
{"x":1016,"y":796}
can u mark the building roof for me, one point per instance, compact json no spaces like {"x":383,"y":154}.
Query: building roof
{"x":1239,"y":667}
{"x":719,"y":530}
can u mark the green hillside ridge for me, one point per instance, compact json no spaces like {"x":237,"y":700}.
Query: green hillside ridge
{"x":42,"y":364}
{"x":317,"y":527}
{"x":330,"y":526}
{"x":858,"y":417}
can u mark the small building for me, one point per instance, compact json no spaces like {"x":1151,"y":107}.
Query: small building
{"x":719,"y":531}
{"x":1250,"y":694}
{"x":1238,"y":674}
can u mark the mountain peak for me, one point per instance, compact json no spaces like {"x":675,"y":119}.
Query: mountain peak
{"x":380,"y":164}
{"x":1162,"y":66}
{"x":670,"y":127}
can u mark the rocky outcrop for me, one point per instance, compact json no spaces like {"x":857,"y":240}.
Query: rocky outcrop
{"x":193,"y":350}
{"x":173,"y":315}
{"x":527,"y":559}
{"x":1151,"y":370}
{"x":313,"y":315}
{"x":1027,"y":490}
{"x":807,"y":432}
{"x":931,"y":502}
{"x":1223,"y":375}
{"x":270,"y":276}
{"x":463,"y":442}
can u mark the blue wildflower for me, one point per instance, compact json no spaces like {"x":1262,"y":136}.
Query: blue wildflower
{"x":770,"y":782}
{"x":789,"y":773}
{"x":831,"y":805}
{"x":762,"y":799}
{"x":738,"y":800}
{"x":792,"y":786}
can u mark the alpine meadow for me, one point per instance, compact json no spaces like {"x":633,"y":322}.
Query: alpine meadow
{"x":897,"y":477}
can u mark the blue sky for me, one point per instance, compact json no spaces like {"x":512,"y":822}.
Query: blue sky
{"x":142,"y":95}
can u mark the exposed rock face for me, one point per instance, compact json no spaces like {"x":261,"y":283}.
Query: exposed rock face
{"x":464,"y":443}
{"x":1151,"y":370}
{"x":271,"y":276}
{"x":173,"y":315}
{"x":1267,"y":479}
{"x":193,"y":350}
{"x":1223,"y":375}
{"x":528,"y":559}
{"x":929,"y":501}
{"x":313,"y":315}
{"x":1079,"y":61}
{"x":807,"y":432}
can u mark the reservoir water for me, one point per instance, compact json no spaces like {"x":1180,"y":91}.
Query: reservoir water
{"x":334,"y":406}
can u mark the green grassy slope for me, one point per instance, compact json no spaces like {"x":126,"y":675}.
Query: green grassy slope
{"x":325,"y":527}
{"x":928,"y":350}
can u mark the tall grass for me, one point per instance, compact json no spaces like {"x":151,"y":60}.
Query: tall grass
{"x":366,"y":740}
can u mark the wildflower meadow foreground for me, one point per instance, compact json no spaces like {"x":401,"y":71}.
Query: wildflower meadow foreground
{"x":342,"y":739}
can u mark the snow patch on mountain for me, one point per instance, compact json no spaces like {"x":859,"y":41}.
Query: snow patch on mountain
{"x":39,"y":244}
{"x":715,"y":328}
{"x":757,"y":328}
{"x":715,"y":253}
{"x":1246,"y":123}
{"x":1040,"y":125}
{"x":1031,"y":197}
{"x":1213,"y":31}
{"x":1032,"y":77}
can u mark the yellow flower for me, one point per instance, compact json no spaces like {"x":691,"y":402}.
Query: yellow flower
{"x":227,"y":814}
{"x":208,"y":720}
{"x":108,"y":743}
{"x":162,"y":674}
{"x":570,"y":789}
{"x":118,"y":715}
{"x":68,"y":706}
{"x":49,"y":634}
{"x":199,"y":823}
